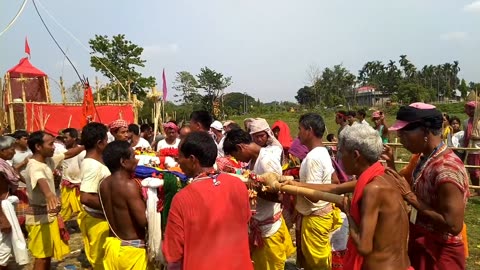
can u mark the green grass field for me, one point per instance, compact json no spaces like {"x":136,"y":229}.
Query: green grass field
{"x":472,"y":216}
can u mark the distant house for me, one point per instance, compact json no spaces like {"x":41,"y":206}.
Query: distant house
{"x":367,"y":96}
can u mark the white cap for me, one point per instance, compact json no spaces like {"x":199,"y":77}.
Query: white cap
{"x":217,"y":125}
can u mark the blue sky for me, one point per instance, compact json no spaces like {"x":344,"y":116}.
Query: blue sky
{"x":267,"y":46}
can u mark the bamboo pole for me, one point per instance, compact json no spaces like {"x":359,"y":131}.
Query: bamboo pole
{"x":10,"y":100}
{"x":129,"y":92}
{"x":47,"y":89}
{"x":97,"y":89}
{"x":135,"y":109}
{"x":62,"y":90}
{"x":24,"y":99}
{"x":118,"y":92}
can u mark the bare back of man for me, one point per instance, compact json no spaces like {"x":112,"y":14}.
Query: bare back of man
{"x":124,"y":207}
{"x":384,"y":212}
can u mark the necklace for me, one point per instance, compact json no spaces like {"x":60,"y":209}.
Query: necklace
{"x":208,"y":175}
{"x":422,"y":164}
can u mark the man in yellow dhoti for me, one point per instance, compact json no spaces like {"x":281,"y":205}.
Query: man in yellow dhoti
{"x":91,"y":220}
{"x":70,"y":186}
{"x":124,"y":209}
{"x":46,"y":238}
{"x":270,"y":241}
{"x":319,"y":219}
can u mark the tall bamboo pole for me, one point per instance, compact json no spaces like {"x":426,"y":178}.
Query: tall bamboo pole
{"x":62,"y":90}
{"x":10,"y":100}
{"x":97,"y":88}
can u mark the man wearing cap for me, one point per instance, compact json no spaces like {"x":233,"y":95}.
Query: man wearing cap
{"x":171,"y":140}
{"x":119,"y":130}
{"x":472,"y":140}
{"x":437,"y":190}
{"x":217,"y":129}
{"x":378,"y":119}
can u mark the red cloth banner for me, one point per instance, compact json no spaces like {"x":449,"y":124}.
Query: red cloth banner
{"x":88,"y":107}
{"x":56,"y":117}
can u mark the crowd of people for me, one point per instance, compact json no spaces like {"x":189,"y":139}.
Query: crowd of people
{"x":411,"y":218}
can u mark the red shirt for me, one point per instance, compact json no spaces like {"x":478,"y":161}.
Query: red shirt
{"x":207,"y":226}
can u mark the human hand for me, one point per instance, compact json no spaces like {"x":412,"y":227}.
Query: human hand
{"x":289,"y":183}
{"x":345,"y":206}
{"x":387,"y":155}
{"x":271,"y":181}
{"x":401,"y":183}
{"x":53,"y":204}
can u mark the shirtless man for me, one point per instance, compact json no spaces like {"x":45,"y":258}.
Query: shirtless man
{"x":377,"y":215}
{"x":124,"y":209}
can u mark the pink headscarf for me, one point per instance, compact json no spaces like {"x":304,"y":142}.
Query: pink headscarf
{"x":298,"y":149}
{"x":170,"y":125}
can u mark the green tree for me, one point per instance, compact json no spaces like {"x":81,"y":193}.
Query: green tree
{"x":463,"y":88}
{"x":213,"y":83}
{"x":117,"y":59}
{"x":413,"y":92}
{"x":334,"y":85}
{"x":306,"y":96}
{"x":186,"y":85}
{"x":237,"y":103}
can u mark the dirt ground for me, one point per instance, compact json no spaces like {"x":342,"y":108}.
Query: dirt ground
{"x":78,"y":259}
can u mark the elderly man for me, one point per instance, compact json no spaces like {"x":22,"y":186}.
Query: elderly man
{"x":377,"y":215}
{"x":209,"y":217}
{"x":119,"y":130}
{"x":9,"y":181}
{"x":270,"y":240}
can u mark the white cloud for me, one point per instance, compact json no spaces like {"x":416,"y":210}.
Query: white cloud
{"x":472,"y":7}
{"x":151,"y":50}
{"x":454,"y":36}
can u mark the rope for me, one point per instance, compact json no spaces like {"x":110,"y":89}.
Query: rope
{"x":58,"y":45}
{"x":79,"y":42}
{"x":14,"y":18}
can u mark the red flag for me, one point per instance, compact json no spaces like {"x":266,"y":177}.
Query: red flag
{"x":164,"y":86}
{"x":88,"y":107}
{"x":27,"y":48}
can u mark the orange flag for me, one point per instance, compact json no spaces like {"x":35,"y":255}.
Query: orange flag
{"x":88,"y":107}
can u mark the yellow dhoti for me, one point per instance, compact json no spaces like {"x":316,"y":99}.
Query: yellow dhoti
{"x":275,"y":251}
{"x":45,"y":241}
{"x":316,"y":247}
{"x":94,"y":233}
{"x":70,"y":202}
{"x":118,"y":257}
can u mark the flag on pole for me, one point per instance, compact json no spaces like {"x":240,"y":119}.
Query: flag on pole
{"x":164,"y":86}
{"x":88,"y":106}
{"x":27,"y":48}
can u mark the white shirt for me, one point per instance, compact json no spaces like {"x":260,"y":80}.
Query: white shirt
{"x":316,"y":168}
{"x":110,"y":137}
{"x":220,"y":152}
{"x":19,"y":157}
{"x":142,"y":143}
{"x":71,"y":168}
{"x":163,"y":144}
{"x":457,"y":139}
{"x":267,"y":162}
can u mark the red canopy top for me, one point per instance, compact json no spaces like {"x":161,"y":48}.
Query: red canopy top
{"x":26,"y":69}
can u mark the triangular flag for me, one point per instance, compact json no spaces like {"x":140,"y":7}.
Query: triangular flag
{"x":164,"y":86}
{"x":27,"y":48}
